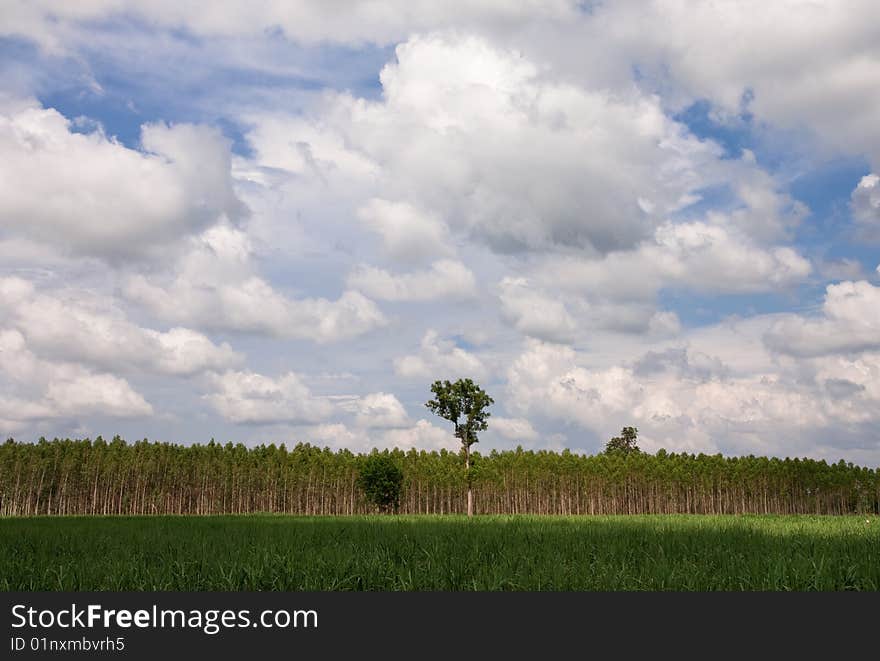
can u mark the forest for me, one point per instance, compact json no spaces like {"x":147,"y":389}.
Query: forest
{"x":98,"y":477}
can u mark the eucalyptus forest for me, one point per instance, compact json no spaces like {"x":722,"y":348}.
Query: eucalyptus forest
{"x":98,"y":477}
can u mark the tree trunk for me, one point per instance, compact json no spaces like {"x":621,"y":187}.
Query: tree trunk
{"x":470,"y":491}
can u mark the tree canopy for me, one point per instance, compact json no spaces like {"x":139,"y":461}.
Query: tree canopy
{"x":625,"y":443}
{"x":381,"y":480}
{"x":464,"y":404}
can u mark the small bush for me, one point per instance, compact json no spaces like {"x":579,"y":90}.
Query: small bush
{"x":381,"y":480}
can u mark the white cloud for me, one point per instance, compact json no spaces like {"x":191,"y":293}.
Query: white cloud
{"x":841,"y":269}
{"x":543,"y":129}
{"x":444,"y":279}
{"x":850,"y":323}
{"x":185,"y":351}
{"x":215,"y":288}
{"x":244,"y":397}
{"x":710,"y":258}
{"x":764,"y":212}
{"x":495,"y":146}
{"x":697,"y":256}
{"x":91,"y":195}
{"x":546,"y":379}
{"x":382,"y":410}
{"x":716,"y":388}
{"x":96,"y":394}
{"x":422,"y":436}
{"x":533,"y":313}
{"x":789,"y":82}
{"x":684,"y":362}
{"x":622,"y":316}
{"x":440,"y":359}
{"x":52,"y":24}
{"x":664,"y":322}
{"x":73,"y":326}
{"x":336,"y":435}
{"x":515,"y":429}
{"x":684,"y":408}
{"x":866,"y":201}
{"x":408,"y":234}
{"x":33,"y":389}
{"x":852,"y":385}
{"x":723,"y":52}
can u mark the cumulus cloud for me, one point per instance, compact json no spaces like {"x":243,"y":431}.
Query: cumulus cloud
{"x":445,"y":279}
{"x":514,"y":429}
{"x":381,"y":410}
{"x":852,"y":385}
{"x":336,"y":435}
{"x":681,"y":402}
{"x":244,"y":397}
{"x":540,"y":144}
{"x":785,"y":80}
{"x":474,"y":139}
{"x":488,"y":141}
{"x":709,"y":258}
{"x":865,"y":202}
{"x":440,"y":359}
{"x":850,"y":323}
{"x":185,"y":351}
{"x":765,"y":213}
{"x":534,"y":313}
{"x":249,"y":398}
{"x":681,"y":361}
{"x":697,"y":256}
{"x":33,"y":389}
{"x":215,"y":288}
{"x":95,"y":394}
{"x":87,"y":193}
{"x":422,"y":435}
{"x":73,"y":327}
{"x":408,"y":233}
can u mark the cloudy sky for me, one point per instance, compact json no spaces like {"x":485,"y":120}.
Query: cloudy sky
{"x":281,"y":221}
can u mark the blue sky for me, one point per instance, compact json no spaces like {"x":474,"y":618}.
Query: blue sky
{"x":282,"y":225}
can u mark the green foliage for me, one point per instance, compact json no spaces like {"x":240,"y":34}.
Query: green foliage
{"x":464,"y":404}
{"x":233,"y":553}
{"x":381,"y":480}
{"x":625,"y":443}
{"x":82,"y":477}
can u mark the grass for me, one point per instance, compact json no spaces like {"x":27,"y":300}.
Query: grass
{"x":440,"y":553}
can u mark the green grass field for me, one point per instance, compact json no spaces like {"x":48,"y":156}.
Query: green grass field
{"x":675,"y":552}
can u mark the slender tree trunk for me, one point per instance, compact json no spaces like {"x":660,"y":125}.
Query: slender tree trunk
{"x":470,"y":491}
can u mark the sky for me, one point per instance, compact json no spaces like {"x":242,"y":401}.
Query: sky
{"x":268,"y":221}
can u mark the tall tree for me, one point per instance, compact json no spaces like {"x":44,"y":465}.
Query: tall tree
{"x":625,"y":443}
{"x":464,"y":404}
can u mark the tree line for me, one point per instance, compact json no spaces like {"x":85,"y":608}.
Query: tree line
{"x":64,"y":477}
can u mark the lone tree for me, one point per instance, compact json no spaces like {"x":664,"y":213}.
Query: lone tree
{"x":464,"y":404}
{"x":381,"y":479}
{"x":625,"y":443}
